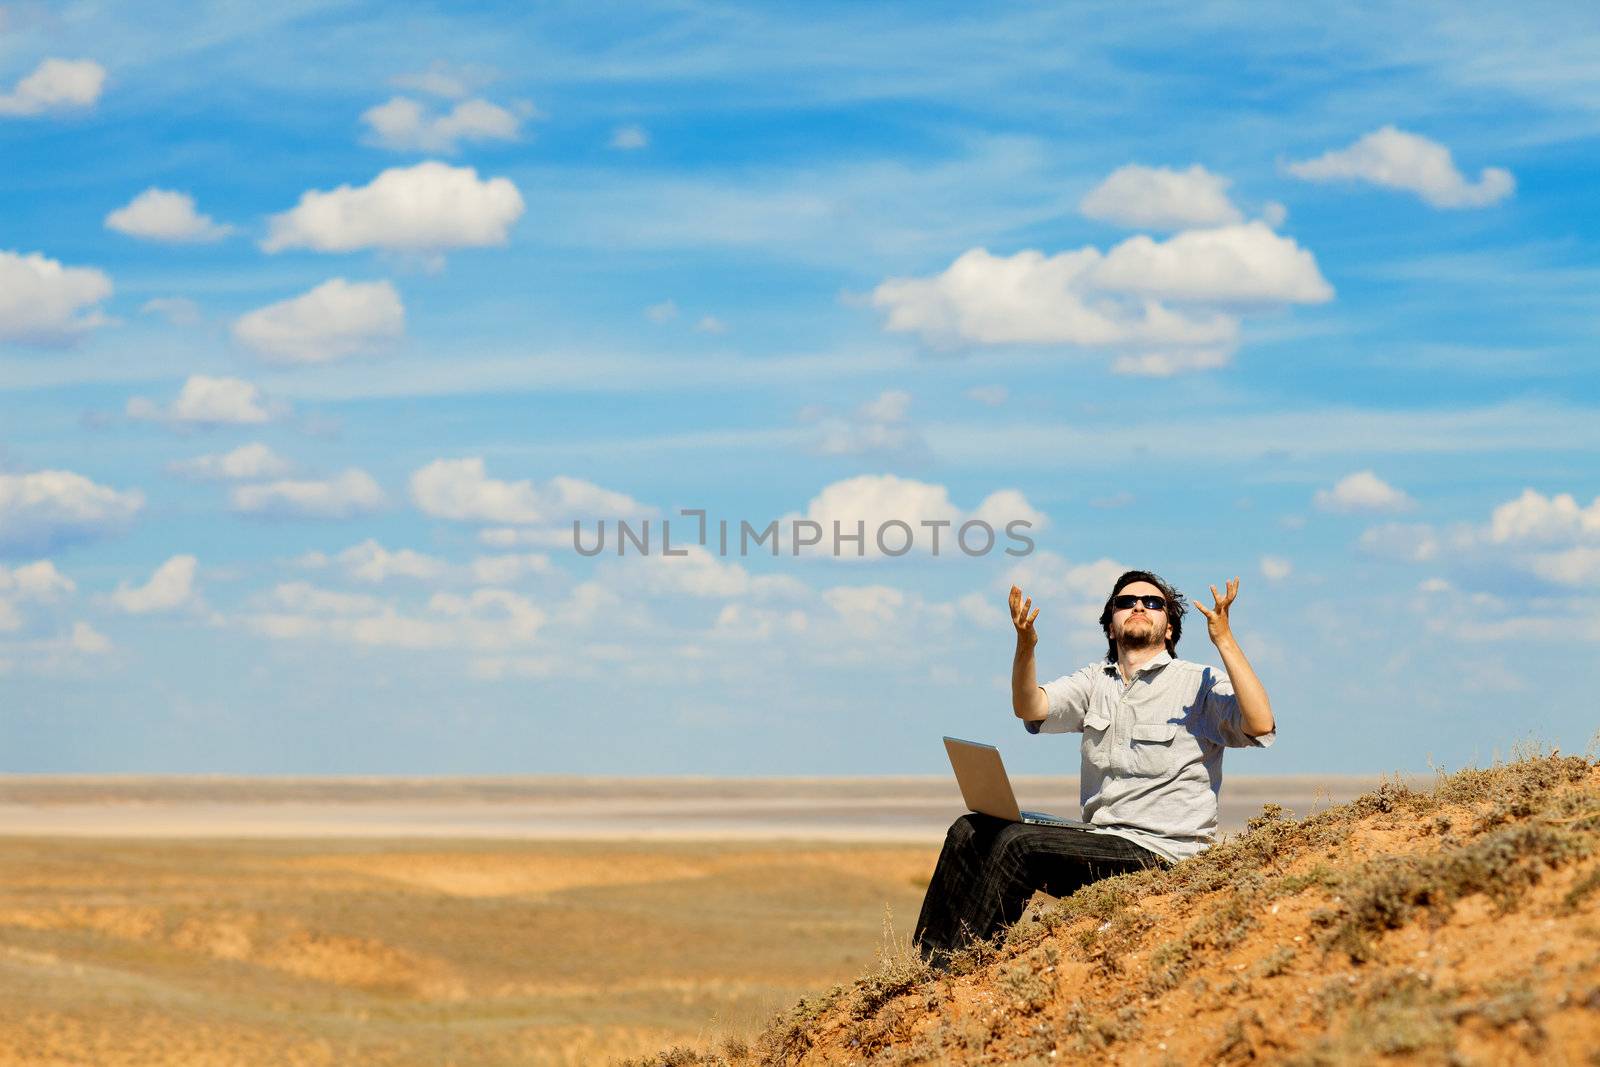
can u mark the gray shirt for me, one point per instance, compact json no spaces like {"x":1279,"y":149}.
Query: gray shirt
{"x":1152,"y":750}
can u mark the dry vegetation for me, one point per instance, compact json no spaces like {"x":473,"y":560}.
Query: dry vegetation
{"x":1458,"y":924}
{"x":205,"y":953}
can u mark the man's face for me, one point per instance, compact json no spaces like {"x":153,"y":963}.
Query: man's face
{"x":1138,"y":627}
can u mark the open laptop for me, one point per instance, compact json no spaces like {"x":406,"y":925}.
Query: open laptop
{"x":987,"y":790}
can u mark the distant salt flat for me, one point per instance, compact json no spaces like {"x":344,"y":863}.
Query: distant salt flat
{"x":563,"y":808}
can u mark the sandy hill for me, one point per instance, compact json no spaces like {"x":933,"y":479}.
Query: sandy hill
{"x":1458,"y":924}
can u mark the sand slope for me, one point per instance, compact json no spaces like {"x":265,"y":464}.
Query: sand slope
{"x":1454,"y":925}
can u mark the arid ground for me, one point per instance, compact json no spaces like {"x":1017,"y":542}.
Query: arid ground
{"x":456,"y":921}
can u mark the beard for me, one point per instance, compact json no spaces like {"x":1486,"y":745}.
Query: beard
{"x":1139,"y":634}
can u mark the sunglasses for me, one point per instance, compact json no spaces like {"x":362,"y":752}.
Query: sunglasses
{"x":1150,"y":601}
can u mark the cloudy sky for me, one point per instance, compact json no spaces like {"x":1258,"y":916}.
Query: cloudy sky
{"x":321,"y":324}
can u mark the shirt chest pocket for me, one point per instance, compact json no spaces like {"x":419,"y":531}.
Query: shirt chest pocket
{"x":1097,"y":738}
{"x":1158,"y":749}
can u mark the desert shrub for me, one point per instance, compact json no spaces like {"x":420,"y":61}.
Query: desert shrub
{"x":1523,"y":788}
{"x":1503,"y":865}
{"x":1507,"y":1004}
{"x":1028,"y":991}
{"x":1398,"y":1013}
{"x":1086,"y":1031}
{"x":1392,"y":795}
{"x":1100,"y":900}
{"x":974,"y":956}
{"x":1581,"y":890}
{"x":1168,"y":963}
{"x":894,"y":977}
{"x":1275,"y":963}
{"x":1470,"y":785}
{"x":1319,"y":876}
{"x":790,"y":1034}
{"x":677,"y":1056}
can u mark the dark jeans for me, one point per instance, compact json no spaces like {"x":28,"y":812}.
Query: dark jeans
{"x":990,"y":867}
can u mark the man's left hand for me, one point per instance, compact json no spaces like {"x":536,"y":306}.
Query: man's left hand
{"x":1217,"y":615}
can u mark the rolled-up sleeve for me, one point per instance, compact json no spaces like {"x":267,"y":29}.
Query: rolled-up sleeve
{"x":1068,"y":699}
{"x":1222,"y":715}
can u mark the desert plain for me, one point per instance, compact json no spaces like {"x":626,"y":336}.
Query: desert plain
{"x":460,"y":921}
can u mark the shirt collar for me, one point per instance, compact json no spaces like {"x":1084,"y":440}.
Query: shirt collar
{"x":1160,"y":659}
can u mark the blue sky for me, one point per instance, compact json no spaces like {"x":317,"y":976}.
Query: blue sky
{"x":320,"y":326}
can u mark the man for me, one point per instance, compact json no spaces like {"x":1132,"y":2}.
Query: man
{"x":1154,"y":728}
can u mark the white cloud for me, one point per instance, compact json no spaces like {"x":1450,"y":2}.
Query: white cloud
{"x":88,"y":640}
{"x":45,"y":508}
{"x":1396,"y":159}
{"x":1086,"y":298}
{"x":309,"y":599}
{"x":983,"y":611}
{"x":1167,"y":364}
{"x":698,"y":573}
{"x":1276,"y":568}
{"x":873,"y":503}
{"x":1029,"y":298}
{"x":1578,"y":566}
{"x":1553,"y":537}
{"x":55,"y":85}
{"x":991,"y":396}
{"x":630,"y":138}
{"x":165,"y":215}
{"x":508,"y":537}
{"x":177,"y":310}
{"x":207,"y":401}
{"x":1161,"y":198}
{"x":369,"y":561}
{"x":877,"y":426}
{"x":1362,"y":491}
{"x":254,"y":460}
{"x":710,"y":324}
{"x":441,"y":79}
{"x":665,"y":311}
{"x":512,"y":567}
{"x":1411,"y":542}
{"x":405,"y":124}
{"x":1534,"y":518}
{"x":866,"y":606}
{"x":336,"y":319}
{"x":350,"y":493}
{"x":38,"y":580}
{"x":1246,"y":264}
{"x":514,"y":617}
{"x":170,"y":588}
{"x":461,"y":489}
{"x":428,"y":207}
{"x":43,"y":302}
{"x":487,"y":619}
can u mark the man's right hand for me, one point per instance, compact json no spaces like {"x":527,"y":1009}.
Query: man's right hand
{"x":1027,"y":636}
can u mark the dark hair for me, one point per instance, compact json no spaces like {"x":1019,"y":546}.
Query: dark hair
{"x":1174,"y":609}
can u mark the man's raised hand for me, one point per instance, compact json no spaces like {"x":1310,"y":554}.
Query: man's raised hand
{"x":1027,"y":636}
{"x":1217,"y":624}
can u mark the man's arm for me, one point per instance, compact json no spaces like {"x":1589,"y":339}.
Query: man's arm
{"x":1028,"y":700}
{"x":1255,"y":710}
